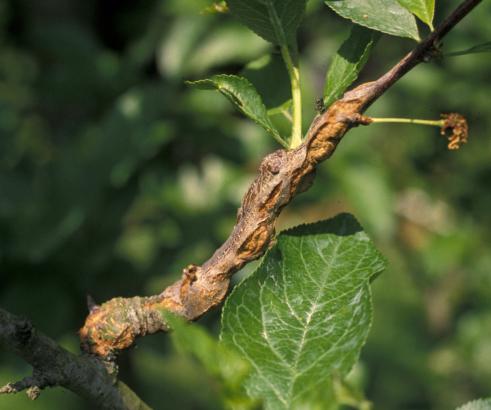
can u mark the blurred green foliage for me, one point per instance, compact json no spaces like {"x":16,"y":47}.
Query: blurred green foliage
{"x":114,"y":175}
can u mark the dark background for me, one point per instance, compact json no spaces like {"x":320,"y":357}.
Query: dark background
{"x":114,"y":175}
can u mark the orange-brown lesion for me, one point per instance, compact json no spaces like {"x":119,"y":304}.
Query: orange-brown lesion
{"x":109,"y":328}
{"x":116,"y":324}
{"x":256,"y":242}
{"x":271,"y":201}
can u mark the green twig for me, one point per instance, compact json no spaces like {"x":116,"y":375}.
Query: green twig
{"x":289,"y":53}
{"x":435,"y":123}
{"x":294,"y":72}
{"x":283,"y":109}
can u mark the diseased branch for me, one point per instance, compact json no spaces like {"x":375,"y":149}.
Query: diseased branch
{"x":52,"y":365}
{"x":282,"y":175}
{"x":117,"y":323}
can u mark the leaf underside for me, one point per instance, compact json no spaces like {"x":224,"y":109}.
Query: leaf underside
{"x":274,"y":20}
{"x":348,"y":62}
{"x":243,"y":96}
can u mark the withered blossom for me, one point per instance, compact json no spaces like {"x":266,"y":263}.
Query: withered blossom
{"x":459,"y":130}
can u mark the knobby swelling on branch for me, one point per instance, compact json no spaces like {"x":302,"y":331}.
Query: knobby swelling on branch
{"x":282,"y":175}
{"x":116,"y":324}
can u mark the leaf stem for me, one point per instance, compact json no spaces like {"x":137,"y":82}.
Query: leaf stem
{"x":289,"y":52}
{"x":283,"y":109}
{"x":435,"y":123}
{"x":294,"y":73}
{"x":287,"y":115}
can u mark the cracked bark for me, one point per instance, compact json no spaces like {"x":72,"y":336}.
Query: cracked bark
{"x":281,"y":176}
{"x":116,"y":324}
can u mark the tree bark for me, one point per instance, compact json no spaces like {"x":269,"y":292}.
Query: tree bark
{"x":85,"y":375}
{"x":116,"y":324}
{"x":281,"y":176}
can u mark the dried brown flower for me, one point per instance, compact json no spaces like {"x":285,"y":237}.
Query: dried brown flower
{"x":459,"y":130}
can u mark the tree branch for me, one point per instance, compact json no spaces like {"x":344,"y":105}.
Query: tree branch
{"x":282,"y":175}
{"x":423,"y":52}
{"x":117,"y":323}
{"x":52,"y":365}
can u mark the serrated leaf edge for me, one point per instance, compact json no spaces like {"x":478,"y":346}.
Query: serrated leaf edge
{"x":266,"y":125}
{"x":331,"y":97}
{"x":366,"y":283}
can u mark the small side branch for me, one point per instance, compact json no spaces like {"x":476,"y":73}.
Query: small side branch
{"x":282,"y":175}
{"x":32,"y":385}
{"x":52,"y":365}
{"x":422,"y":53}
{"x":454,"y":126}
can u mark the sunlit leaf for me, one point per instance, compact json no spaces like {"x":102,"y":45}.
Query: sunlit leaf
{"x":424,"y":9}
{"x":387,"y":16}
{"x":304,"y":315}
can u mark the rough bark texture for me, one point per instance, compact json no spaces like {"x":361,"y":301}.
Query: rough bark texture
{"x":117,"y":323}
{"x":85,"y":375}
{"x":282,"y":175}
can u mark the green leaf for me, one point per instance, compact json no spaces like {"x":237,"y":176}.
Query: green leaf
{"x":482,"y":404}
{"x":304,"y":315}
{"x":480,"y":48}
{"x":244,"y":96}
{"x":348,"y":62}
{"x":350,"y":395}
{"x":218,"y":360}
{"x":424,"y":9}
{"x":274,"y":20}
{"x":270,"y":77}
{"x":387,"y":16}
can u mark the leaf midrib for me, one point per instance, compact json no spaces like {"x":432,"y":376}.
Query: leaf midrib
{"x":314,"y":305}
